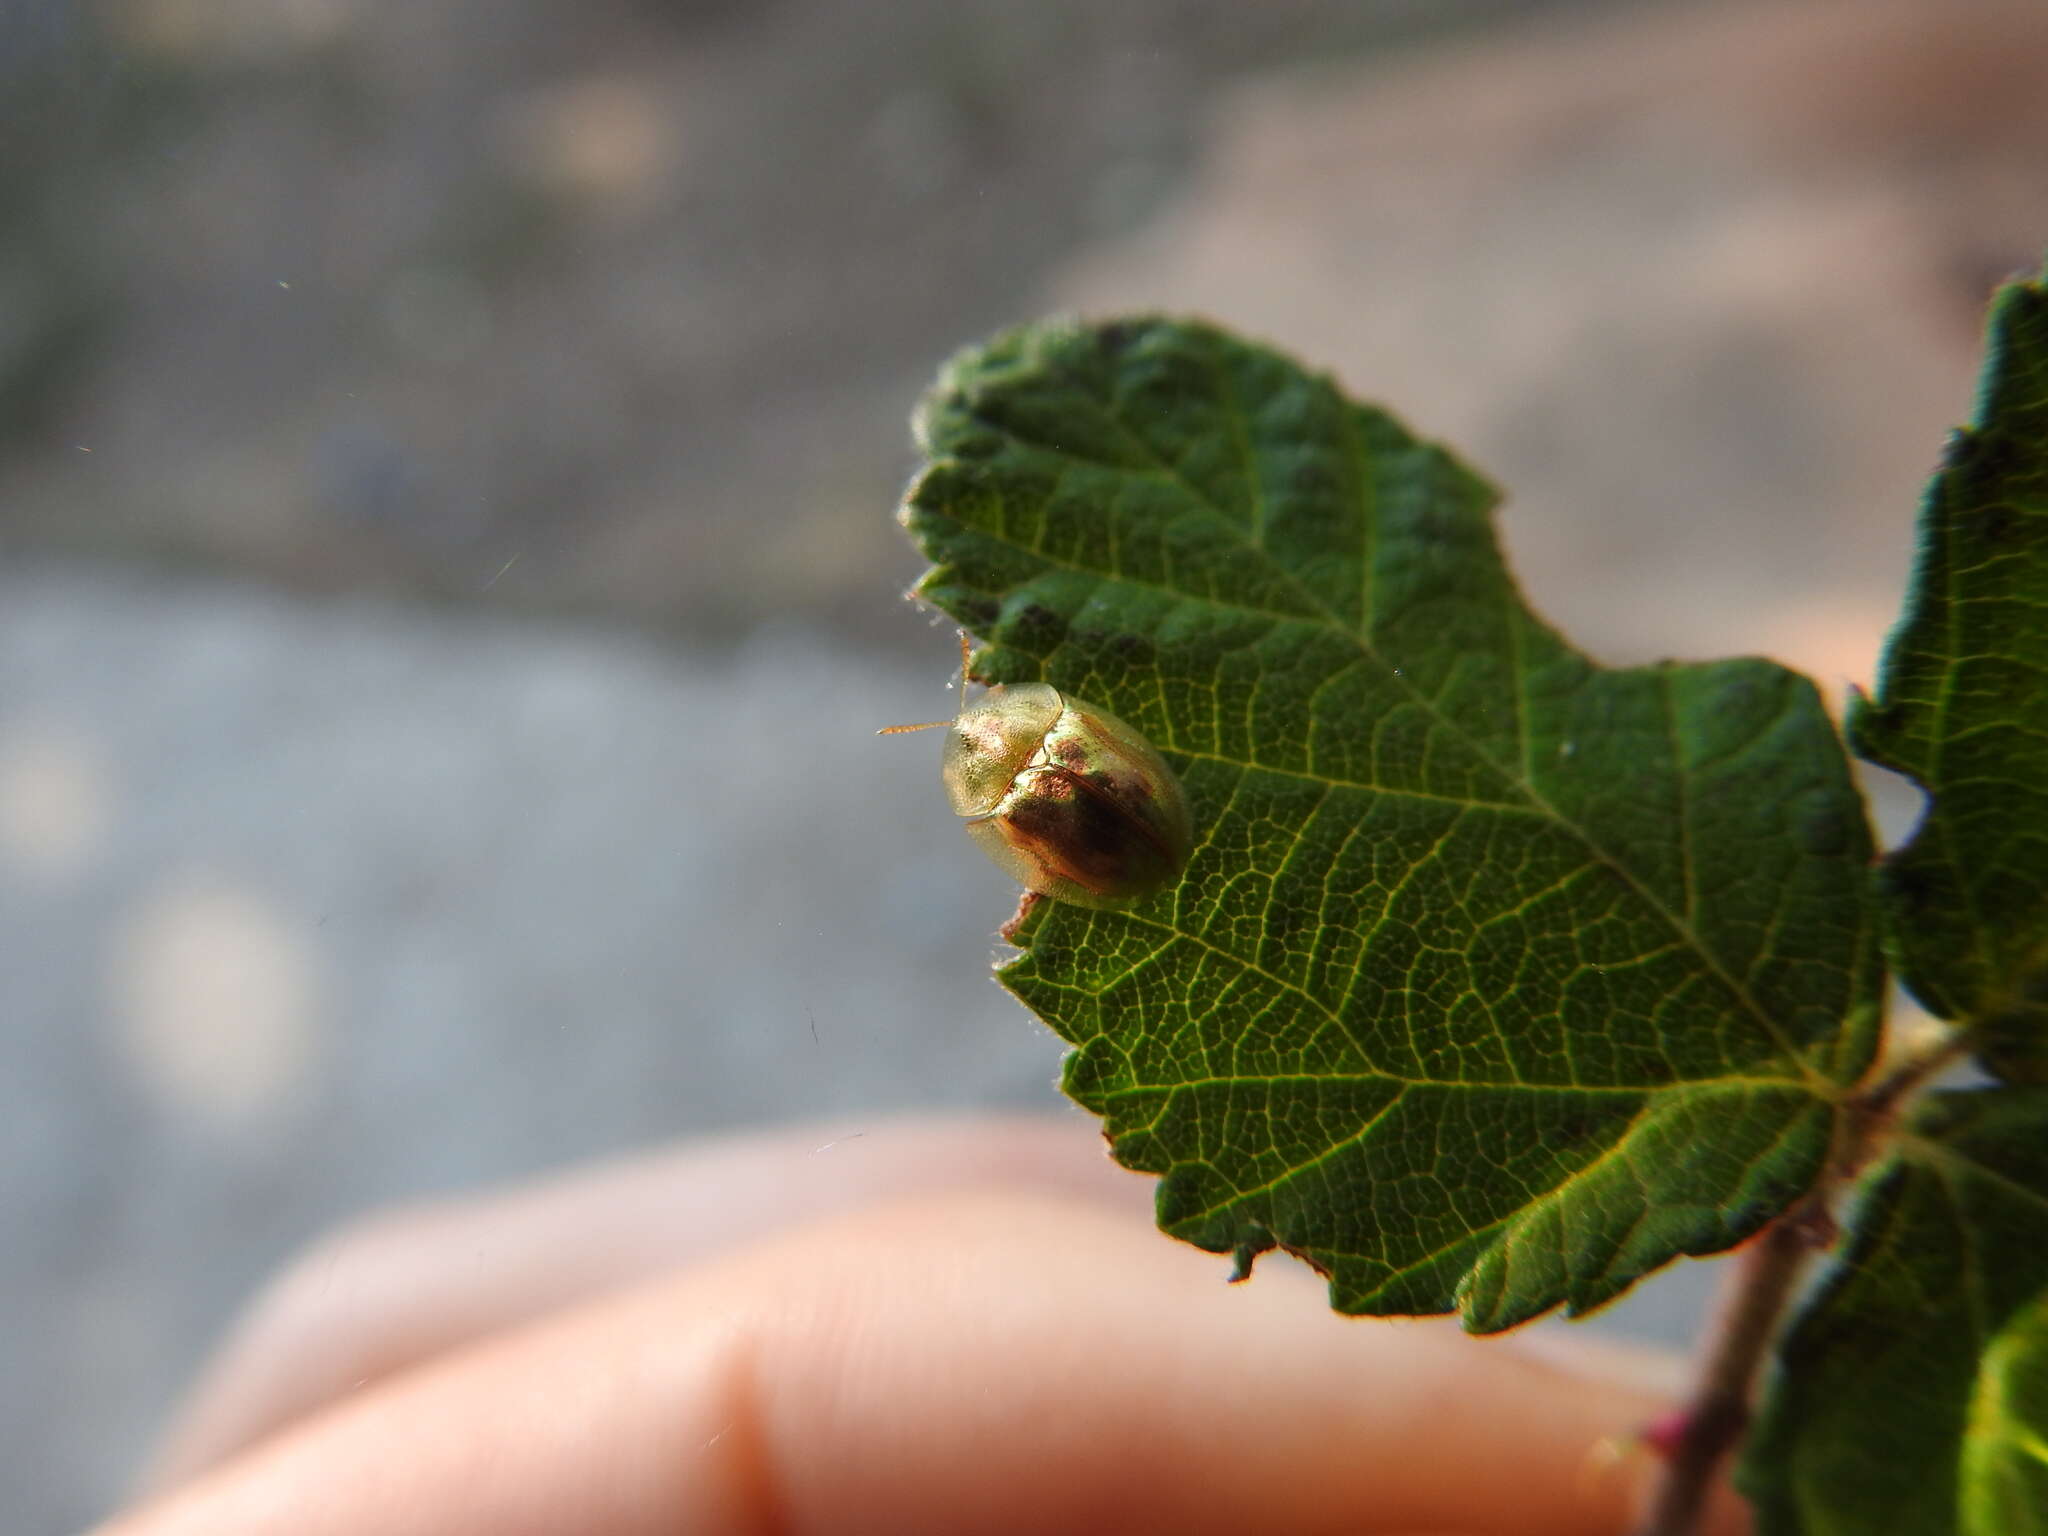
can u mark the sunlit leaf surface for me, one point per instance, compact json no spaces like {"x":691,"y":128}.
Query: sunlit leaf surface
{"x":1497,"y":978}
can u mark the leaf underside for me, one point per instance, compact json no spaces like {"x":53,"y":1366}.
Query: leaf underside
{"x":1912,"y":1394}
{"x":1961,"y":706}
{"x":1496,"y":979}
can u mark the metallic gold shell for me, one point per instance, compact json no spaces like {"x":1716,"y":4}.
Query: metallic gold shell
{"x":1070,"y":800}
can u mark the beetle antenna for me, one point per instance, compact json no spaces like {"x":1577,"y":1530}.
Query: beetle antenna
{"x":928,"y":725}
{"x":898,"y":730}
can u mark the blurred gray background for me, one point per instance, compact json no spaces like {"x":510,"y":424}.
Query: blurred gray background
{"x":446,"y":576}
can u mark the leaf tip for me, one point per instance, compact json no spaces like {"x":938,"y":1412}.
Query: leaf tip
{"x":1242,"y":1257}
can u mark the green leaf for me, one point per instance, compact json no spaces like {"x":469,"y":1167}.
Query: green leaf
{"x":1496,"y":979}
{"x":1912,"y":1393}
{"x":1962,"y":707}
{"x":2005,"y":1436}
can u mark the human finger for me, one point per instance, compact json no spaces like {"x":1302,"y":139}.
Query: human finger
{"x":384,"y":1294}
{"x":973,"y":1364}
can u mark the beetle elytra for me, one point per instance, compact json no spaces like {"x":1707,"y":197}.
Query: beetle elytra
{"x":1064,"y":796}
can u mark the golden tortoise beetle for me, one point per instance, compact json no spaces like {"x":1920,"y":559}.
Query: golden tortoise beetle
{"x":1071,"y":801}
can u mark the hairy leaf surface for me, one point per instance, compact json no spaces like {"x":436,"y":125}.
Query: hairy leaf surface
{"x":1497,"y":978}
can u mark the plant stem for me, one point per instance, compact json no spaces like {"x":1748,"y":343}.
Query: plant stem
{"x":1914,"y":1070}
{"x":1762,"y":1282}
{"x":1718,"y":1412}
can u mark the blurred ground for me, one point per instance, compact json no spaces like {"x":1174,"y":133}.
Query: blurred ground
{"x":305,"y":905}
{"x":444,"y":461}
{"x":633,"y":294}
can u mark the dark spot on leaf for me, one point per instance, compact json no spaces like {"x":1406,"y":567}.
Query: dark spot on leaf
{"x":1118,"y":336}
{"x":1889,"y":719}
{"x":1993,"y":523}
{"x":975,"y":612}
{"x":1975,"y":461}
{"x":1031,"y":626}
{"x":1911,"y":883}
{"x":1822,"y":828}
